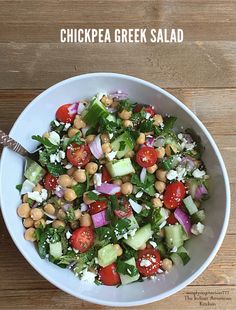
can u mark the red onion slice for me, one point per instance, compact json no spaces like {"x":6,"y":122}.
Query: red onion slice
{"x":150,"y":141}
{"x":143,"y":175}
{"x":107,"y":188}
{"x":120,"y":95}
{"x":183,"y":219}
{"x":73,"y":108}
{"x":135,"y":206}
{"x":99,"y":219}
{"x":96,"y":147}
{"x":200,"y":192}
{"x":59,"y":192}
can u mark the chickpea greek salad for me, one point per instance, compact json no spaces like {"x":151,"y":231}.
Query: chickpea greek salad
{"x":116,"y":192}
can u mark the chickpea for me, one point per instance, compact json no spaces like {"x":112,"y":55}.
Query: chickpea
{"x":106,"y":101}
{"x":73,"y":182}
{"x":105,"y":138}
{"x":152,"y":169}
{"x":114,"y":104}
{"x":125,"y":114}
{"x":158,"y":120}
{"x":160,"y":152}
{"x":72,"y":132}
{"x":128,"y":123}
{"x":160,"y":186}
{"x":119,"y":250}
{"x":70,"y":194}
{"x":170,"y":149}
{"x":37,"y":188}
{"x":143,"y":246}
{"x":79,"y":176}
{"x":117,"y":181}
{"x":79,"y":123}
{"x":167,"y":264}
{"x":78,"y":214}
{"x":29,"y":234}
{"x":58,"y":223}
{"x":64,"y":180}
{"x":141,"y":138}
{"x":161,"y":175}
{"x":36,"y":214}
{"x":156,"y":202}
{"x":129,"y":154}
{"x":90,"y":138}
{"x":71,"y":171}
{"x":126,"y":178}
{"x":49,"y":208}
{"x":61,"y":214}
{"x":85,"y":220}
{"x":40,"y":222}
{"x":86,"y":199}
{"x":25,"y":198}
{"x":23,"y":210}
{"x":126,"y":188}
{"x":46,"y":135}
{"x":106,"y":148}
{"x":28,"y":222}
{"x":91,"y":168}
{"x":74,"y":224}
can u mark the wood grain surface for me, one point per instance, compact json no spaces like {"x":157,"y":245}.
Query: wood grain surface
{"x":201,"y":72}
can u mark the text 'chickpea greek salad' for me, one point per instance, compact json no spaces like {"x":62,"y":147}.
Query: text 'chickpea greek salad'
{"x":117,"y":191}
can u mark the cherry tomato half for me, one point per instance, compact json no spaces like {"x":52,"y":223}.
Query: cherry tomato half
{"x":148,"y":262}
{"x":64,"y":115}
{"x":78,"y":155}
{"x":171,"y":219}
{"x":127,"y":212}
{"x":174,"y":194}
{"x":97,"y":206}
{"x":82,"y":239}
{"x":108,"y":275}
{"x":50,"y":182}
{"x":148,"y":109}
{"x":105,"y":175}
{"x":146,"y":156}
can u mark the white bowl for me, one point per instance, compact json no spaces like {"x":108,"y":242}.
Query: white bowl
{"x":35,"y":119}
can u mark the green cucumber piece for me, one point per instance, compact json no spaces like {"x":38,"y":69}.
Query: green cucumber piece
{"x":120,"y":167}
{"x":132,"y":225}
{"x":172,"y":140}
{"x":107,"y":255}
{"x":190,"y":205}
{"x":33,"y":171}
{"x":141,"y":236}
{"x":181,"y":256}
{"x":199,"y":216}
{"x":125,"y":279}
{"x":162,"y":249}
{"x":94,"y":112}
{"x":55,"y":249}
{"x":174,"y":235}
{"x":127,"y":140}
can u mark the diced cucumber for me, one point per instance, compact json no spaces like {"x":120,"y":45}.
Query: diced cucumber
{"x":125,"y":279}
{"x":55,"y":249}
{"x":185,"y":235}
{"x":190,"y":205}
{"x":181,"y":256}
{"x":33,"y":171}
{"x":117,"y":143}
{"x":172,"y":140}
{"x":107,"y":255}
{"x":199,"y":216}
{"x":141,"y":236}
{"x":174,"y":235}
{"x":120,"y":167}
{"x":162,"y":249}
{"x":94,"y":112}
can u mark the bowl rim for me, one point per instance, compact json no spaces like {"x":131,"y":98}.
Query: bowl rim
{"x":192,"y":277}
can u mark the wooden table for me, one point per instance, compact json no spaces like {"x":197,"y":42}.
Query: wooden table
{"x":201,"y":72}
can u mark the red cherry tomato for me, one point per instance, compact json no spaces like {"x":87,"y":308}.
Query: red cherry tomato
{"x":146,"y":156}
{"x":171,"y":219}
{"x":174,"y":194}
{"x":82,"y":239}
{"x":50,"y":182}
{"x":127,"y":212}
{"x":148,"y":262}
{"x":148,"y":109}
{"x":108,"y":275}
{"x":64,"y":115}
{"x":105,"y":175}
{"x":97,"y":206}
{"x":78,"y":155}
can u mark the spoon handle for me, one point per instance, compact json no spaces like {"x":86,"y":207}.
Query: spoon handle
{"x":12,"y":144}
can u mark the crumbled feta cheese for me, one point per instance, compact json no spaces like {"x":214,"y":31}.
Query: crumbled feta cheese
{"x":147,"y":115}
{"x":44,"y":194}
{"x":162,"y":224}
{"x":38,"y":196}
{"x":145,"y":263}
{"x":75,"y":250}
{"x":83,"y":207}
{"x":197,"y":229}
{"x":174,"y":249}
{"x":57,"y":157}
{"x":157,"y":195}
{"x":139,"y":194}
{"x":132,"y":232}
{"x":159,"y":270}
{"x":110,"y":156}
{"x":54,"y":137}
{"x":180,"y":136}
{"x":153,"y":277}
{"x":97,"y":179}
{"x":27,"y":186}
{"x":125,"y":236}
{"x":181,"y":173}
{"x":153,"y":244}
{"x":96,"y":260}
{"x":62,"y":154}
{"x":56,"y":123}
{"x":68,"y":235}
{"x":190,"y":146}
{"x":198,"y":173}
{"x":67,"y":126}
{"x":53,"y":158}
{"x":171,"y":175}
{"x":68,"y":166}
{"x":110,"y":135}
